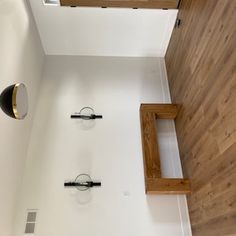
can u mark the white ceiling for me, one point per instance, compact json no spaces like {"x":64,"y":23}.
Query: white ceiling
{"x":103,"y":32}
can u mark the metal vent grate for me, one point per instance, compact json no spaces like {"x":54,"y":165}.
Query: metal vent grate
{"x":30,"y":221}
{"x":52,"y":2}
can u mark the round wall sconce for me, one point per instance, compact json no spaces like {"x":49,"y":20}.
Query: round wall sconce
{"x":14,"y":101}
{"x":86,"y":113}
{"x":82,"y":182}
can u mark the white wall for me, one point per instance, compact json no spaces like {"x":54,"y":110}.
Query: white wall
{"x":103,"y":32}
{"x":110,"y":151}
{"x":21,"y":60}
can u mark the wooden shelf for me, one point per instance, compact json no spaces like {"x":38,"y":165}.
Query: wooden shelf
{"x":154,"y":182}
{"x":155,"y":4}
{"x":167,"y":186}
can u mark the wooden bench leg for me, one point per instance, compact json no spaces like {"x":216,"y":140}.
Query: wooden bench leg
{"x":167,"y":186}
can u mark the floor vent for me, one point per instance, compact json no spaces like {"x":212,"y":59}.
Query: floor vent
{"x":30,"y":222}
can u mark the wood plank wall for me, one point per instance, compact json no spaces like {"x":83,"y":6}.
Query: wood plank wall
{"x":201,"y":66}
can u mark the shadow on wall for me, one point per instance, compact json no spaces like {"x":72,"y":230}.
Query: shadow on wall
{"x":20,"y":48}
{"x":81,"y":197}
{"x":22,"y":60}
{"x":169,"y":203}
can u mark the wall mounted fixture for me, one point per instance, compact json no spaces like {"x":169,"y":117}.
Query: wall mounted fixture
{"x":86,"y":113}
{"x":51,"y":2}
{"x":14,"y":101}
{"x":178,"y":23}
{"x":82,"y":182}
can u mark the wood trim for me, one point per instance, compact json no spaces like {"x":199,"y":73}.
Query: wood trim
{"x":167,"y":186}
{"x":162,"y":111}
{"x":155,"y":184}
{"x":155,"y":4}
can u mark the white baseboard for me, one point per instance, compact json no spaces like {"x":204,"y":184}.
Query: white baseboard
{"x":174,"y":156}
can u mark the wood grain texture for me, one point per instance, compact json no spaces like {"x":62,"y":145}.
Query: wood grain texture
{"x":156,"y":4}
{"x":167,"y":186}
{"x":201,"y":67}
{"x":154,"y":182}
{"x":152,"y":165}
{"x":162,"y":111}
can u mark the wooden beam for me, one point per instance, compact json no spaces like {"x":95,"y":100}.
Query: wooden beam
{"x":167,"y":186}
{"x":152,"y":165}
{"x":162,"y":111}
{"x":155,"y":4}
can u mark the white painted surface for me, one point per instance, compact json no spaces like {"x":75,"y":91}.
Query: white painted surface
{"x":171,"y":164}
{"x":21,"y":60}
{"x":110,"y":151}
{"x":103,"y":32}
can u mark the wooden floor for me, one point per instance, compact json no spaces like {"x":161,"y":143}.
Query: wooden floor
{"x":201,"y":66}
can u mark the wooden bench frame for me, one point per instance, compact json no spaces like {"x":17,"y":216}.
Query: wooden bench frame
{"x":154,"y":182}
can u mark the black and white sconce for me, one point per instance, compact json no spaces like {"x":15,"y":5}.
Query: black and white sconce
{"x":14,"y":101}
{"x":86,"y":113}
{"x":82,"y":182}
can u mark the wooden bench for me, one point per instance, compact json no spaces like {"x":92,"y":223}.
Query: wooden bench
{"x":154,"y":182}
